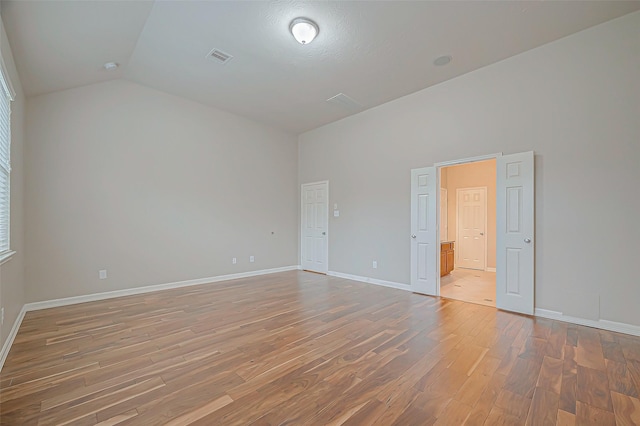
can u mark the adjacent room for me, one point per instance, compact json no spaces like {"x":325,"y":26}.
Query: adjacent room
{"x":337,"y":212}
{"x":468,"y":232}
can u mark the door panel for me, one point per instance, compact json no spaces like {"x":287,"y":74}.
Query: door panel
{"x":424,"y":235}
{"x":315,"y":207}
{"x":515,"y":238}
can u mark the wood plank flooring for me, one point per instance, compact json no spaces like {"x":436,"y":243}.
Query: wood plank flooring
{"x":301,"y":348}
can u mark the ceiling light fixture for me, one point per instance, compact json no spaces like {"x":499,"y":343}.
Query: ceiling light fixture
{"x":110,"y":66}
{"x":304,"y":30}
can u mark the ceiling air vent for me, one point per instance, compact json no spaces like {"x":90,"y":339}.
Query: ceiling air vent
{"x":345,"y":101}
{"x":219,"y":56}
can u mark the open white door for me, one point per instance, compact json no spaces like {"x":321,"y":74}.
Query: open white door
{"x":514,"y":239}
{"x":424,"y":231}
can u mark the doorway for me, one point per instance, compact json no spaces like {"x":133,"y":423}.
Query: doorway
{"x":472,"y":277}
{"x":471,"y":244}
{"x":514,"y":225}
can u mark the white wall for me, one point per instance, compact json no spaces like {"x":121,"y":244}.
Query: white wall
{"x":153,"y":188}
{"x":575,"y":102}
{"x":12,"y":272}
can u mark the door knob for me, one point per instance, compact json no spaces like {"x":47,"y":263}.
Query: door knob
{"x":482,"y":233}
{"x":324,"y":233}
{"x":413,"y":236}
{"x":527,"y":240}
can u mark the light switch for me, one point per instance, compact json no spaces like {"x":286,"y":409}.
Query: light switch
{"x":335,"y":206}
{"x":336,"y":213}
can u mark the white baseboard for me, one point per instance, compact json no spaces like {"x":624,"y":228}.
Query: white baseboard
{"x":12,"y":335}
{"x":148,"y":289}
{"x":369,"y":280}
{"x":491,"y":269}
{"x":618,"y":327}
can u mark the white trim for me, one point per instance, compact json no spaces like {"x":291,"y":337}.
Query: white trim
{"x":12,"y":335}
{"x":148,"y":289}
{"x":490,"y":270}
{"x":369,"y":280}
{"x":468,"y":160}
{"x":326,"y":246}
{"x":618,"y":327}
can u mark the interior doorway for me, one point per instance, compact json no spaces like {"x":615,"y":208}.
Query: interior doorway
{"x":468,"y":232}
{"x":514,"y":227}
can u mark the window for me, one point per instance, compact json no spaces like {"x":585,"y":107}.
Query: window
{"x":6,"y":96}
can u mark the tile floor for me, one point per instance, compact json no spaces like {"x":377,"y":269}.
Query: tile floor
{"x":470,"y":285}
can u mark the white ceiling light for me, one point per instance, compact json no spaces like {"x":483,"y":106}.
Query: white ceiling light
{"x":110,"y":66}
{"x":304,"y":30}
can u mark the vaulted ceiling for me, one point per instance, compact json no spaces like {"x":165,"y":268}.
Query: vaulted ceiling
{"x":372,"y":51}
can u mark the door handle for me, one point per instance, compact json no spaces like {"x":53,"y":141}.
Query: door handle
{"x":482,"y":233}
{"x":324,"y":233}
{"x":527,"y":240}
{"x":413,"y":236}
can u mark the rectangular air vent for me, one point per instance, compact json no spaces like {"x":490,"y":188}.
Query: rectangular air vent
{"x":345,"y":101}
{"x":219,"y":56}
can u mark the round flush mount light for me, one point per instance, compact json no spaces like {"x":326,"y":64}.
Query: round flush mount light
{"x":442,"y":60}
{"x":304,"y":30}
{"x":110,"y":66}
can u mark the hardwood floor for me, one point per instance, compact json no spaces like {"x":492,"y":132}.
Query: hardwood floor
{"x":301,"y":348}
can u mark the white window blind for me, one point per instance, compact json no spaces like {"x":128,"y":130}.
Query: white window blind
{"x":5,"y":164}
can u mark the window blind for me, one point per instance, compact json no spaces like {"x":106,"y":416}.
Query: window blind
{"x":5,"y":164}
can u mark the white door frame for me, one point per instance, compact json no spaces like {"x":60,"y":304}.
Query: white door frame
{"x":486,"y":209}
{"x":301,"y":239}
{"x":439,"y":167}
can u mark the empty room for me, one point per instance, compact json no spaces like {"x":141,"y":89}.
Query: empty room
{"x":319,"y":213}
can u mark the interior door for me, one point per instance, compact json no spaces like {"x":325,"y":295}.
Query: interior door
{"x":472,"y":223}
{"x":314,"y":223}
{"x":424,"y":231}
{"x":515,"y":238}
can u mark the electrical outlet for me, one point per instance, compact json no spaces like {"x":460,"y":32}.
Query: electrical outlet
{"x":102,"y":274}
{"x":252,"y":259}
{"x":234,"y":260}
{"x":375,"y":264}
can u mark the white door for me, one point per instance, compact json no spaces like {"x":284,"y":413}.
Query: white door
{"x":425,"y":249}
{"x":471,"y":232}
{"x":315,"y":208}
{"x":514,"y":239}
